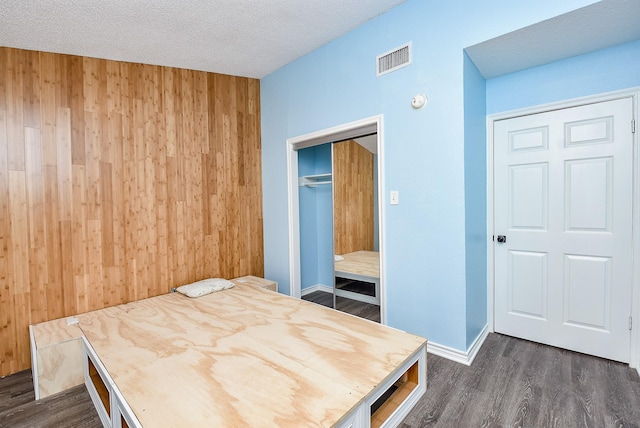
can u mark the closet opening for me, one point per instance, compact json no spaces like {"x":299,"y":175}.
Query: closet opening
{"x":336,"y":245}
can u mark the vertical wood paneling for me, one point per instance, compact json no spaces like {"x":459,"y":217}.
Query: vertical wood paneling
{"x":117,"y":182}
{"x":75,"y":73}
{"x":19,"y":232}
{"x":3,"y":85}
{"x":8,"y":361}
{"x":353,"y":197}
{"x":31,"y":75}
{"x":15,"y":112}
{"x":49,"y":86}
{"x":53,"y":262}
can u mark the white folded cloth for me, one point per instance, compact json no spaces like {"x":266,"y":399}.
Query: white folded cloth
{"x":204,"y":287}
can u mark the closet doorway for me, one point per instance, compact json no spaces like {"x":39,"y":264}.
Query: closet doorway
{"x":335,"y":179}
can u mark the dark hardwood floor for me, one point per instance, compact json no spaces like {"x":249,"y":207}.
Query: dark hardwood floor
{"x":353,"y":307}
{"x":511,"y":383}
{"x":516,"y":383}
{"x":71,"y":408}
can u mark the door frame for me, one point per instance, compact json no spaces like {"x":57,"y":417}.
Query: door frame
{"x":369,"y":125}
{"x":634,"y":94}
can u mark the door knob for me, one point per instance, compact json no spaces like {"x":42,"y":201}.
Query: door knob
{"x":502,"y":239}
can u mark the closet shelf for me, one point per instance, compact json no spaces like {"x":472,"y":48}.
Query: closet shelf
{"x":314,"y":180}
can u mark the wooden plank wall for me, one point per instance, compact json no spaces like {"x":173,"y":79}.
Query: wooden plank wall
{"x":353,"y":197}
{"x":117,"y":182}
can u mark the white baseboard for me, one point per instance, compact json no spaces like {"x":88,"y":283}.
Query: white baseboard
{"x":317,"y":287}
{"x":443,"y":351}
{"x":462,"y":357}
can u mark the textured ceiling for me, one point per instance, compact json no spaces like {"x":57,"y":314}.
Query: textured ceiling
{"x":597,"y":26}
{"x":253,"y":38}
{"x":249,"y":38}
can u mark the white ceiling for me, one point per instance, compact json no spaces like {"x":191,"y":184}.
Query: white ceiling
{"x":369,"y":142}
{"x":253,"y":38}
{"x":597,"y":26}
{"x":250,"y":38}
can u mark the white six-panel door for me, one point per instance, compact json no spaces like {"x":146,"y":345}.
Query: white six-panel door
{"x":563,"y":202}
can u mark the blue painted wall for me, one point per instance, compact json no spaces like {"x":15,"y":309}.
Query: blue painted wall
{"x":316,"y":219}
{"x":593,"y":73}
{"x":475,"y":191}
{"x":308,"y":220}
{"x":428,"y":288}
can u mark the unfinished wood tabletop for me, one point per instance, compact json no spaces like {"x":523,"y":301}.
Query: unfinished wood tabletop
{"x":365,"y":263}
{"x":243,"y":357}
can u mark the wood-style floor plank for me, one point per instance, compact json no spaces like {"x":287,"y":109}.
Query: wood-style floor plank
{"x":71,"y":408}
{"x":350,"y":306}
{"x":511,"y":383}
{"x":16,"y":390}
{"x":516,"y":383}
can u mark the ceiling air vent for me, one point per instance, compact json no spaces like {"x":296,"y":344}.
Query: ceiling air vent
{"x":393,"y":60}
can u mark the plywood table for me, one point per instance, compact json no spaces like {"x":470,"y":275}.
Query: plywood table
{"x":360,"y":266}
{"x":56,"y":348}
{"x":247,"y":357}
{"x":56,"y":356}
{"x":256,"y":281}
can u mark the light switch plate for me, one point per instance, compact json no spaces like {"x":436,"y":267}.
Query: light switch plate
{"x":393,"y":197}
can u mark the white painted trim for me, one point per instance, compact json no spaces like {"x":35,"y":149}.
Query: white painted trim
{"x":317,"y":287}
{"x":634,"y":354}
{"x":456,"y":355}
{"x":490,"y":227}
{"x":634,"y":93}
{"x":348,"y":130}
{"x":88,"y":353}
{"x":294,"y":221}
{"x":403,"y":409}
{"x":34,"y":363}
{"x":473,"y":350}
{"x":382,"y":207}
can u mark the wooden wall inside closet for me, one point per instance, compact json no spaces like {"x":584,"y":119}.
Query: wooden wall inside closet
{"x":117,"y":182}
{"x":353,"y":199}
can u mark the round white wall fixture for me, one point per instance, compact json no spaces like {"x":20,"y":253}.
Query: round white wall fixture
{"x":418,"y":101}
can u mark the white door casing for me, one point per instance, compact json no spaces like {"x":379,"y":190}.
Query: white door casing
{"x":366,"y":126}
{"x":562,"y":192}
